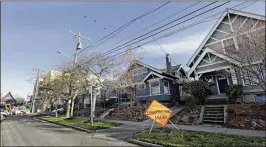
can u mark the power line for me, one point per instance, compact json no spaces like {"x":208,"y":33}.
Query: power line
{"x":126,"y":25}
{"x":117,"y":48}
{"x":159,"y":22}
{"x":164,"y":36}
{"x":184,"y":28}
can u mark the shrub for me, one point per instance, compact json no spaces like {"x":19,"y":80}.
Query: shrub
{"x":234,"y":92}
{"x":199,"y":90}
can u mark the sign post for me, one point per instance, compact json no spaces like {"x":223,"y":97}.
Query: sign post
{"x":159,"y":114}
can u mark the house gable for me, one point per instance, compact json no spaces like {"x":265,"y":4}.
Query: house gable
{"x":209,"y":61}
{"x":230,"y":21}
{"x":8,"y":97}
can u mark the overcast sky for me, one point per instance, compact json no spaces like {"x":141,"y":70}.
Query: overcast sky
{"x":33,"y":32}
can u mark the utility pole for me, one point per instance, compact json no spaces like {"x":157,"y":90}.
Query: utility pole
{"x":35,"y":91}
{"x":79,"y":46}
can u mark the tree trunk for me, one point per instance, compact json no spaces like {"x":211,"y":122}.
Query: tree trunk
{"x":93,"y":104}
{"x":68,"y":108}
{"x":73,"y":104}
{"x":56,"y":113}
{"x":50,"y":110}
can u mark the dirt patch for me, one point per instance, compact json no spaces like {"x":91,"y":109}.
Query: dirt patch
{"x":134,"y":113}
{"x":246,"y":116}
{"x":187,"y":116}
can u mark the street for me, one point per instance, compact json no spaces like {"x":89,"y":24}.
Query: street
{"x":24,"y":131}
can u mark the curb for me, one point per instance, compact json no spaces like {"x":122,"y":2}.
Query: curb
{"x":69,"y":126}
{"x":142,"y":143}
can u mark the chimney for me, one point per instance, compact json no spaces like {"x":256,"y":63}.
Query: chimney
{"x":168,"y":64}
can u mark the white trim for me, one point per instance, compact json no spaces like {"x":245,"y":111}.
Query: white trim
{"x":212,"y":63}
{"x":150,"y":75}
{"x":234,"y":19}
{"x":214,"y":38}
{"x":222,"y":31}
{"x":214,"y":59}
{"x":217,"y":85}
{"x":225,"y":22}
{"x":203,"y":54}
{"x":155,"y":79}
{"x":243,"y":23}
{"x":255,"y":24}
{"x":228,"y":11}
{"x":214,"y":69}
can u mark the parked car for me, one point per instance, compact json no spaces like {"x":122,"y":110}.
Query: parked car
{"x":3,"y":115}
{"x":59,"y":111}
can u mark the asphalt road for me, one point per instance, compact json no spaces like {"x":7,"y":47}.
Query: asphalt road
{"x":24,"y":131}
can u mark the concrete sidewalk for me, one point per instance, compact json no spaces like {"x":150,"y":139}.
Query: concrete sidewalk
{"x":146,"y":125}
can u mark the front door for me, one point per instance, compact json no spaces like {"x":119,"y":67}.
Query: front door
{"x":222,"y":83}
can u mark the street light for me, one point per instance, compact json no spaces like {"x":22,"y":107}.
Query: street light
{"x":60,"y":52}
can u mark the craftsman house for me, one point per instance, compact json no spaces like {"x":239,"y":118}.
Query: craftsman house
{"x":211,"y":63}
{"x":153,"y":83}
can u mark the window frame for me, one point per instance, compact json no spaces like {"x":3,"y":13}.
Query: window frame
{"x":168,"y":86}
{"x":159,"y":88}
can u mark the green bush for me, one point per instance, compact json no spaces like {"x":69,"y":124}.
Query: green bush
{"x":234,"y":92}
{"x":199,"y":90}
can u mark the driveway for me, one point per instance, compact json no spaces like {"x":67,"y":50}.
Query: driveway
{"x":24,"y":131}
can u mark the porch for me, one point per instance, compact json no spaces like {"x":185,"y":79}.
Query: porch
{"x":218,"y":82}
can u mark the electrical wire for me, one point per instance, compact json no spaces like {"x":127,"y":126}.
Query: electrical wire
{"x":184,"y":28}
{"x":117,"y":48}
{"x":159,"y":22}
{"x":126,"y":25}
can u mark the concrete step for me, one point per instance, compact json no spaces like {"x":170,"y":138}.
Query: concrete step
{"x":213,"y":117}
{"x":216,"y":114}
{"x":213,"y":111}
{"x":213,"y":121}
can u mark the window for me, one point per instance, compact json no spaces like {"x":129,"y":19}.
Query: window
{"x":260,"y":98}
{"x":141,"y":86}
{"x":154,"y":87}
{"x":166,"y":87}
{"x":250,"y":78}
{"x":139,"y":71}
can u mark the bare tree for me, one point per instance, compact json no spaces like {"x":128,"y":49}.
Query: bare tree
{"x":246,"y":50}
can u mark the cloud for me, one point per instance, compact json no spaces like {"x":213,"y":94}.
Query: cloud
{"x":186,"y":45}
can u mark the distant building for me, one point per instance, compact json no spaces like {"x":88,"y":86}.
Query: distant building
{"x":8,"y":99}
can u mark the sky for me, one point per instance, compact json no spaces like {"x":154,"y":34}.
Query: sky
{"x":32,"y":32}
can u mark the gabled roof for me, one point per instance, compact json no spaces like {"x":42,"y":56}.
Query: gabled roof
{"x":227,"y":11}
{"x":207,"y":50}
{"x":156,"y":70}
{"x":8,"y":97}
{"x":173,"y":68}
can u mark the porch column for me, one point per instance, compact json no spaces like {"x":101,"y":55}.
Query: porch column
{"x":196,"y":75}
{"x":233,"y":75}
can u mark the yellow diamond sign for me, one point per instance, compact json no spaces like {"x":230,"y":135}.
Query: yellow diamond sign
{"x":158,"y":113}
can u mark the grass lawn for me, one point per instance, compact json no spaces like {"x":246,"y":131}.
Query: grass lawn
{"x":167,"y":137}
{"x":81,"y":122}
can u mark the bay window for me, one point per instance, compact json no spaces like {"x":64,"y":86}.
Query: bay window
{"x":154,"y":87}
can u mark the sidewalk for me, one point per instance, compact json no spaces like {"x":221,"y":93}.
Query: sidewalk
{"x":144,"y":125}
